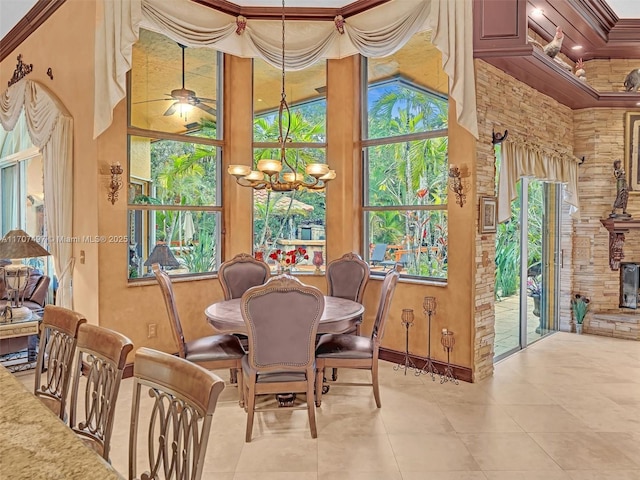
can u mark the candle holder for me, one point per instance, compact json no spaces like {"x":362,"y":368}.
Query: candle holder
{"x":115,"y":183}
{"x":448,"y":342}
{"x":407,"y":321}
{"x":429,"y":308}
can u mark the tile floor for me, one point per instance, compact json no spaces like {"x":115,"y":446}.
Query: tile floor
{"x":508,"y":324}
{"x":567,"y":408}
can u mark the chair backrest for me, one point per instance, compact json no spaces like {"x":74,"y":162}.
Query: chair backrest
{"x":379,"y":251}
{"x":172,"y":310}
{"x":184,"y":397}
{"x":347,"y":277}
{"x":240,"y":274}
{"x":58,"y":339}
{"x":282,"y":318}
{"x":386,"y":295}
{"x":101,"y":355}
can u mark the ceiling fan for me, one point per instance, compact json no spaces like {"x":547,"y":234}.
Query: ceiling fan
{"x":183,"y":96}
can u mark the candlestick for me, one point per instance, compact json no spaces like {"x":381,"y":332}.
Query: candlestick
{"x":407,"y":321}
{"x":429,"y":308}
{"x":448,"y":341}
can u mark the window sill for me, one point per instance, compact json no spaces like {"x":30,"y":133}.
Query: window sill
{"x":151,"y":280}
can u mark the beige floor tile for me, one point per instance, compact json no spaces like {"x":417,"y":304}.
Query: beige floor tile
{"x":627,"y":443}
{"x":507,"y":451}
{"x":388,"y":475}
{"x":614,"y":419}
{"x":359,"y":422}
{"x":431,"y":452}
{"x":271,"y":476}
{"x":526,"y":475}
{"x":443,"y":476}
{"x":584,"y":450}
{"x":355,"y":453}
{"x":270,"y":453}
{"x":518,"y":394}
{"x":601,"y":475}
{"x":545,"y":418}
{"x":479,"y":418}
{"x":415,"y":416}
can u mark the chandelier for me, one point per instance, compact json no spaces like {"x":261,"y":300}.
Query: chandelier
{"x":281,"y":175}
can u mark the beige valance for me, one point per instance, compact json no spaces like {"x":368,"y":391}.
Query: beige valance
{"x":522,"y":159}
{"x":374,"y":33}
{"x":50,"y":128}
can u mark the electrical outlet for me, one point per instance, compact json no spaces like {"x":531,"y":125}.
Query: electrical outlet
{"x":153,"y":330}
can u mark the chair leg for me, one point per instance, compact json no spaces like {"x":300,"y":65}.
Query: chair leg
{"x":311,"y":409}
{"x":376,"y":386}
{"x":233,"y":376}
{"x":250,"y":402}
{"x":240,"y":386}
{"x":334,"y":374}
{"x":319,"y":382}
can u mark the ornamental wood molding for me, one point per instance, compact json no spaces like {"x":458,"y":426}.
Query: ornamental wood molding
{"x":617,"y":229}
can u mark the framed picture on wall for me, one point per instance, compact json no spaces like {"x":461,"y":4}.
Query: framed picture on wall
{"x":488,"y":215}
{"x":632,"y":150}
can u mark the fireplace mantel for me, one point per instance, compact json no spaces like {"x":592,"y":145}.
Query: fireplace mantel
{"x":617,"y":228}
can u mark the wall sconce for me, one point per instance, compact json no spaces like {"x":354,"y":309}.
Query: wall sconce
{"x":455,"y":184}
{"x":116,"y":182}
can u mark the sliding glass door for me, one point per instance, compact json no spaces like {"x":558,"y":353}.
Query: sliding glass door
{"x":527,"y":268}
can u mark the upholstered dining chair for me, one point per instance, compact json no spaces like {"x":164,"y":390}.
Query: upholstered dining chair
{"x":356,"y":351}
{"x":237,"y":276}
{"x":212,"y":352}
{"x":58,"y":337}
{"x":347,"y":278}
{"x":240,"y":274}
{"x":282,"y":318}
{"x":101,"y":355}
{"x":184,"y":397}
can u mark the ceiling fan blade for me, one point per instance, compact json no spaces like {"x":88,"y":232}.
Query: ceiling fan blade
{"x":154,"y":100}
{"x":171,"y":110}
{"x":207,"y":100}
{"x":206,"y":108}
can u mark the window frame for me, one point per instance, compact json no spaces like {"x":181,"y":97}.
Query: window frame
{"x":365,"y":144}
{"x":148,"y":184}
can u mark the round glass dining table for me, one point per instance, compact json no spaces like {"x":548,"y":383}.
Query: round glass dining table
{"x":340,"y":315}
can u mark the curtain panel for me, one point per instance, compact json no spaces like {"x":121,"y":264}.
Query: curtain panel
{"x":522,"y":159}
{"x":374,"y":33}
{"x":50,"y":128}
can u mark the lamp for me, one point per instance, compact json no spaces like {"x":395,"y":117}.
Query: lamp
{"x":455,"y":184}
{"x":116,"y":182}
{"x":279,"y":174}
{"x":15,"y":245}
{"x":161,"y":254}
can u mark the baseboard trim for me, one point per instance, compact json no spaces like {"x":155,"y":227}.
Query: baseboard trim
{"x":461,"y":373}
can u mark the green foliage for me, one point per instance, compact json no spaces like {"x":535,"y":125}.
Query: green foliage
{"x":579,"y":306}
{"x":201,"y":256}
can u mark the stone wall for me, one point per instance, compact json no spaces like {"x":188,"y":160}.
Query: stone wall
{"x":505,"y":103}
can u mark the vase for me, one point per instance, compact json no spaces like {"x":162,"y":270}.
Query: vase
{"x":318,"y":261}
{"x":536,"y":304}
{"x":579,"y":328}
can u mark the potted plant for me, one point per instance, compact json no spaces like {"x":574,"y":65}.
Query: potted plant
{"x":579,"y":306}
{"x":534,"y":290}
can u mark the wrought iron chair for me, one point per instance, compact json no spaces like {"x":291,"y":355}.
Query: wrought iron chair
{"x":101,"y":355}
{"x":184,"y":398}
{"x":282,"y":320}
{"x":353,"y":351}
{"x":58,"y":337}
{"x":212,"y":352}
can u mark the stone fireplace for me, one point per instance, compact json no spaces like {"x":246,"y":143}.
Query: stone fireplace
{"x":629,"y":285}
